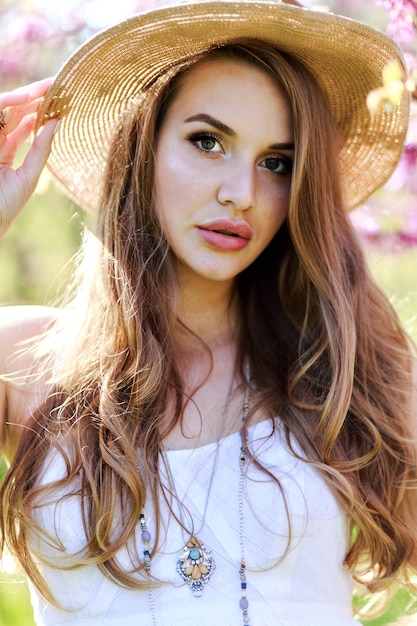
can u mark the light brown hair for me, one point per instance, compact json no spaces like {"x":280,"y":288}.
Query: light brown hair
{"x":327,"y":352}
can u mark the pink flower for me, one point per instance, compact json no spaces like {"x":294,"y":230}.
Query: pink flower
{"x":403,"y":14}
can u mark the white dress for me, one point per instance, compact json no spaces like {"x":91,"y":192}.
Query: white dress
{"x":308,"y":587}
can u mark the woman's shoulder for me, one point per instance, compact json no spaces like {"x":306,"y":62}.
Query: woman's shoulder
{"x":20,"y":324}
{"x":23,"y":383}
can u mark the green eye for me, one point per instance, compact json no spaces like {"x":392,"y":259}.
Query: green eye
{"x":272,"y":163}
{"x":207,"y":143}
{"x":278,"y":165}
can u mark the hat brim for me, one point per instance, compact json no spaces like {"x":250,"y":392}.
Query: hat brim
{"x":101,"y":79}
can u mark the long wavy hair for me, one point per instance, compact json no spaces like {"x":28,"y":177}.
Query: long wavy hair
{"x":327,"y":352}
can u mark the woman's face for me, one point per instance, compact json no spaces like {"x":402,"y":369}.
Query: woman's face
{"x":224,"y":156}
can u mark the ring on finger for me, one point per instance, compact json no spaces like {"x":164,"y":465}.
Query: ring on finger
{"x":2,"y":120}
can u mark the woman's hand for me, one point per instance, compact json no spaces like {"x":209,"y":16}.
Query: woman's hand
{"x":18,"y":111}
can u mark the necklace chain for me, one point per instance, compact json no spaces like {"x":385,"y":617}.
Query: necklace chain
{"x":244,"y":602}
{"x":195,"y":563}
{"x":203,"y":557}
{"x":170,"y":477}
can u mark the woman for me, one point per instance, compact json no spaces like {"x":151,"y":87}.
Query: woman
{"x":217,"y":428}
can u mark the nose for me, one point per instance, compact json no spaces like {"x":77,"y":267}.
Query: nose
{"x":238,"y":187}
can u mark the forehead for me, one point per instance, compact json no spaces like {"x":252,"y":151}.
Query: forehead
{"x":230,"y":87}
{"x":217,"y":68}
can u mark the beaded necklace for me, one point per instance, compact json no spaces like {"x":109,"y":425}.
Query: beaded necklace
{"x":190,"y":559}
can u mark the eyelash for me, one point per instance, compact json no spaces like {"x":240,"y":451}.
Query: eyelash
{"x":195,"y":138}
{"x":285,"y":161}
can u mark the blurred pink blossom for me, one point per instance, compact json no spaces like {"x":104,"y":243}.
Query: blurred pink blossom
{"x":389,"y":218}
{"x":402,"y":25}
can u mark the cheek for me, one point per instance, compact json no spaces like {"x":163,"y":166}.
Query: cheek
{"x":167,"y":185}
{"x":278,"y":206}
{"x":174,"y":179}
{"x":169,"y":196}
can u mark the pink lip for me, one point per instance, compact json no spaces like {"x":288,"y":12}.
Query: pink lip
{"x":224,"y":234}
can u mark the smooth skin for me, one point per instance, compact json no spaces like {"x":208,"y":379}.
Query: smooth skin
{"x":224,"y":152}
{"x":16,"y":187}
{"x":223,"y":171}
{"x":223,"y":159}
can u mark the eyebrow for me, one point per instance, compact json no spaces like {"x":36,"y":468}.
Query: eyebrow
{"x":212,"y":121}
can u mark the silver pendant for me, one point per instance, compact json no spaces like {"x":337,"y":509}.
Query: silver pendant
{"x":195,"y":565}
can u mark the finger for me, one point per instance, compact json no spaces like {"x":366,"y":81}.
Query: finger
{"x":34,"y":90}
{"x":17,"y":186}
{"x":40,"y":87}
{"x":10,"y":143}
{"x":11,"y":98}
{"x":38,"y":154}
{"x":37,"y":88}
{"x":13,"y":116}
{"x":29,"y":95}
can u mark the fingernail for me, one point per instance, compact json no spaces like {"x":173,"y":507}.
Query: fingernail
{"x":57,"y":127}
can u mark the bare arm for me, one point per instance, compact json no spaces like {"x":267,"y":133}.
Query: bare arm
{"x":18,"y":110}
{"x":20,"y":393}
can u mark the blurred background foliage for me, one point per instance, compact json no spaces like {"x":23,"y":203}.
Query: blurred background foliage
{"x":36,"y":36}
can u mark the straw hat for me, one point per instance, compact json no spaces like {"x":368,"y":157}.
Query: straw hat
{"x":102,"y":78}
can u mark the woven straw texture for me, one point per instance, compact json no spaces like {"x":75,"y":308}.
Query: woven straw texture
{"x":103,"y":77}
